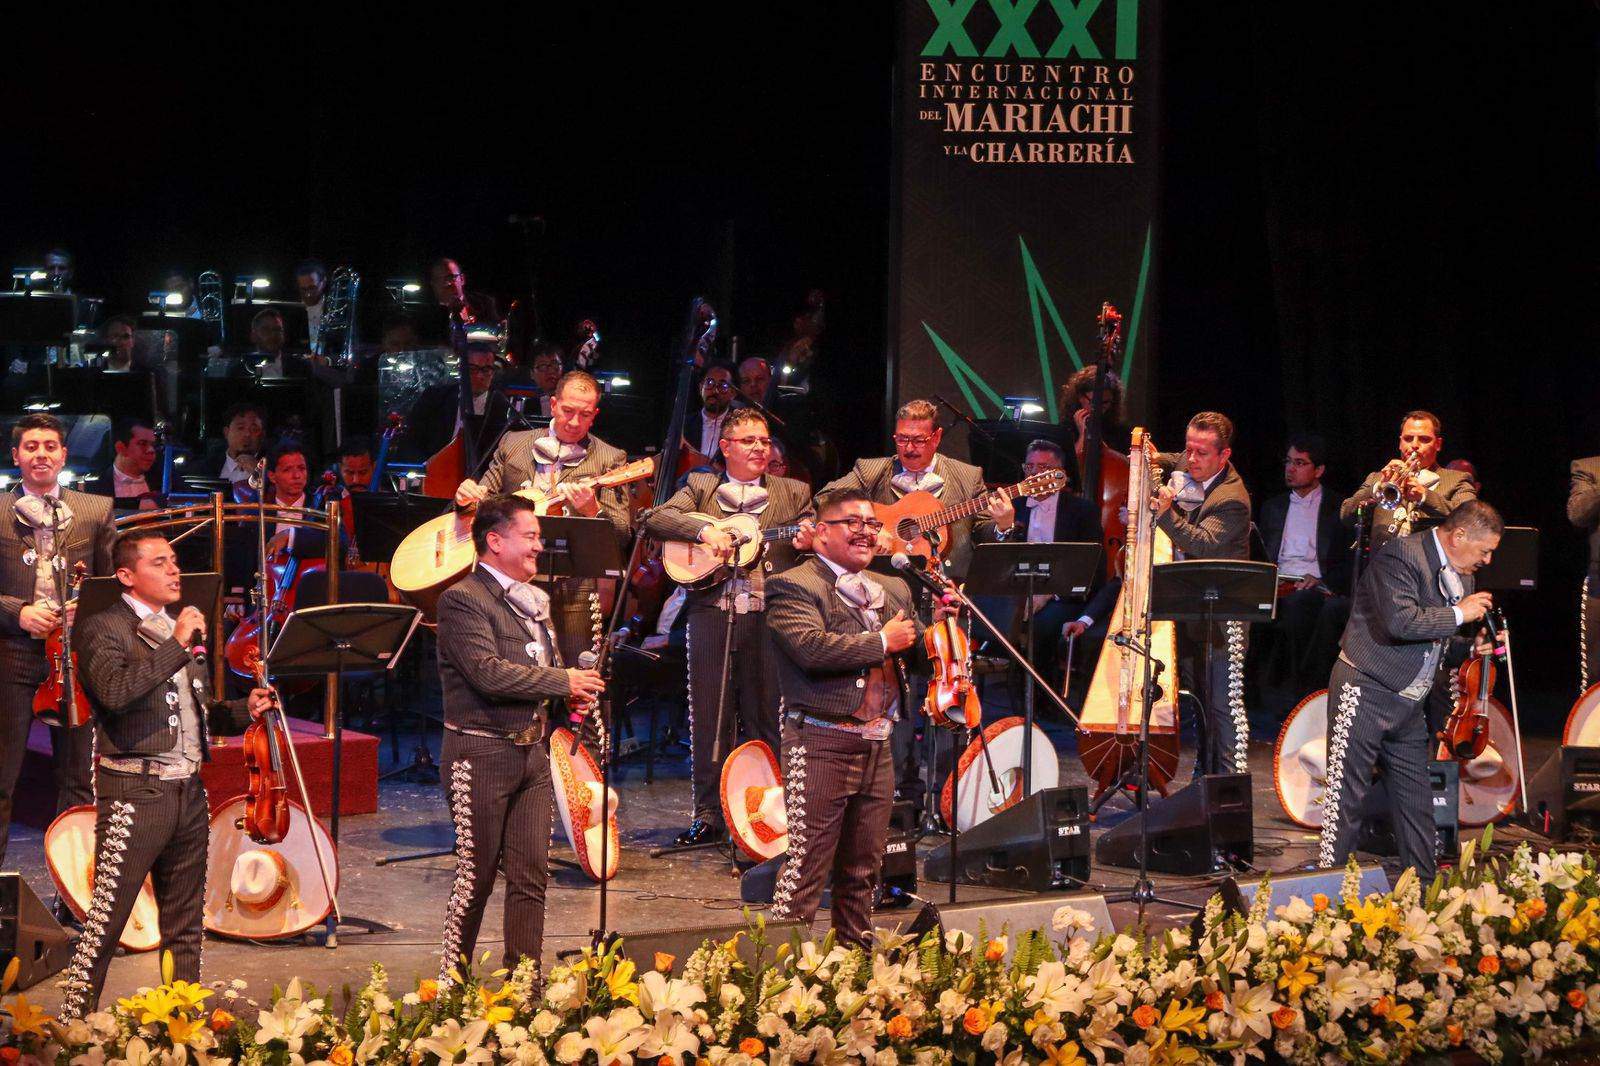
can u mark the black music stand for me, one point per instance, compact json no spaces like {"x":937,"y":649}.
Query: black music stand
{"x":198,"y":591}
{"x":1059,"y":568}
{"x":317,"y":641}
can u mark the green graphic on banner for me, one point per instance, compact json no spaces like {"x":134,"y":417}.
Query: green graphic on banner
{"x":1039,"y":294}
{"x":1012,"y":36}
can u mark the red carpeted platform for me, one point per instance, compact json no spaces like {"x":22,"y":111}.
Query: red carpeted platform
{"x":224,"y":775}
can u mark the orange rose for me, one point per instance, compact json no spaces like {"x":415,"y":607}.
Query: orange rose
{"x":427,"y":990}
{"x":1383,"y":1006}
{"x":9,"y":1055}
{"x":1450,"y":962}
{"x":1576,"y":999}
{"x":751,"y":1046}
{"x":1534,"y":909}
{"x":1319,"y":902}
{"x":976,"y":1021}
{"x":1489,"y":965}
{"x":1145,"y":1016}
{"x":1284,"y":1017}
{"x":899,"y":1027}
{"x":221,"y":1021}
{"x":667,"y":1060}
{"x":994,"y":951}
{"x":1455,"y":1033}
{"x":1215,"y":1001}
{"x":341,"y":1056}
{"x":664,"y":962}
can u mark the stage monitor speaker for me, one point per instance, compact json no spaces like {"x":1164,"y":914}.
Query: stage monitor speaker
{"x":896,"y":885}
{"x":1564,"y":795}
{"x":1306,"y":885}
{"x":29,"y":932}
{"x":1377,"y":832}
{"x":1207,"y":825}
{"x":1012,"y":915}
{"x":642,"y":947}
{"x":1040,"y":844}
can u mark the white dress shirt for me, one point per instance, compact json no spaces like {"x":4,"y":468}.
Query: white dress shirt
{"x":711,"y":432}
{"x":1042,"y":518}
{"x":1297,"y":554}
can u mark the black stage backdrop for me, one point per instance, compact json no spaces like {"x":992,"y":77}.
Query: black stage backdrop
{"x":1026,"y":141}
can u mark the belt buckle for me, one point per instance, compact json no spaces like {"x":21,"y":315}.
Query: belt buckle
{"x":528,"y":736}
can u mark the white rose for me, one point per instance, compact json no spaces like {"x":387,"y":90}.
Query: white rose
{"x":545,"y":1024}
{"x":1331,"y":1033}
{"x":569,"y":1048}
{"x":1543,"y":970}
{"x":731,"y":996}
{"x":994,"y":1037}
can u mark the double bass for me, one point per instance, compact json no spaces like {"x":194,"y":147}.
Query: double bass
{"x":1105,"y":470}
{"x":1109,"y":726}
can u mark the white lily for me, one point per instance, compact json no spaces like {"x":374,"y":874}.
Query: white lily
{"x":1053,"y":990}
{"x":659,"y":994}
{"x":1250,"y":1009}
{"x":614,"y":1038}
{"x":670,"y":1037}
{"x":1347,"y":988}
{"x":453,"y":1042}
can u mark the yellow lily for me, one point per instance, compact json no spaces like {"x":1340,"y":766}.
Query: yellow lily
{"x":1189,"y":1021}
{"x":1296,"y":977}
{"x":620,"y":983}
{"x":189,"y":995}
{"x":27,"y":1019}
{"x":1065,"y":1054}
{"x":494,"y":1010}
{"x":181,"y":1028}
{"x":1375,"y":916}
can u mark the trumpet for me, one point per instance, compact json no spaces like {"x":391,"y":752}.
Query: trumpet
{"x":1390,"y":489}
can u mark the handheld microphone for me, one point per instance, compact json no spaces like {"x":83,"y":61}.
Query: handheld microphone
{"x":197,"y":651}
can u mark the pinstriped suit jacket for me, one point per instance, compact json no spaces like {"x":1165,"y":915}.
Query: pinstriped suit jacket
{"x":962,"y":482}
{"x":1583,"y":511}
{"x":1399,"y":611}
{"x":488,"y":678}
{"x":788,"y":501}
{"x":89,"y":541}
{"x":1220,"y":527}
{"x":513,"y":465}
{"x":823,"y":647}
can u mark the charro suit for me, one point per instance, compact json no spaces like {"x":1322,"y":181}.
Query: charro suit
{"x":838,"y":783}
{"x":1583,"y":511}
{"x":22,"y":662}
{"x":962,"y":482}
{"x":1216,"y":528}
{"x":574,"y":603}
{"x":1452,"y":490}
{"x":752,"y":684}
{"x":146,"y":822}
{"x":501,"y":683}
{"x":1402,"y":619}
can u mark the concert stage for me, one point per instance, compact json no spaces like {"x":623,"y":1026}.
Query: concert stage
{"x":670,"y":893}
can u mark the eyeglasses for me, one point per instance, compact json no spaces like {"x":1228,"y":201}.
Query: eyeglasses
{"x":1037,"y":467}
{"x":480,"y":369}
{"x":854,"y":524}
{"x":751,"y":442}
{"x":718,"y":386}
{"x":917,"y":441}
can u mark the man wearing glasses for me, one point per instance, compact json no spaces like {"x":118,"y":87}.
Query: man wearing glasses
{"x":749,"y":699}
{"x":553,"y":459}
{"x":716,"y":400}
{"x":436,"y":416}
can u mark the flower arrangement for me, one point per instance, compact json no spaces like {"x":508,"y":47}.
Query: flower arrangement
{"x":1497,"y":958}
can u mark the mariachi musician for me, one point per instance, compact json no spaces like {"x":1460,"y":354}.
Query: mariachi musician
{"x":545,"y":459}
{"x":1583,"y":511}
{"x":30,"y":607}
{"x":752,"y":681}
{"x":1205,"y":510}
{"x":502,"y":676}
{"x":153,"y":716}
{"x":1427,"y":491}
{"x":1409,"y":605}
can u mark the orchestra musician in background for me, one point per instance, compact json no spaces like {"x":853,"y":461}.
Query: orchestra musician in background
{"x":751,"y":703}
{"x":30,"y":605}
{"x":448,"y":284}
{"x":268,"y":357}
{"x":716,"y":401}
{"x":118,"y":334}
{"x":755,"y":380}
{"x":311,"y":284}
{"x":355,"y":467}
{"x":1205,"y":509}
{"x":233,"y":458}
{"x":436,"y":416}
{"x":127,"y":479}
{"x":1076,"y":398}
{"x":565,"y":451}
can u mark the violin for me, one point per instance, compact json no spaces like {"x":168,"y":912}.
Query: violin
{"x":1466,"y":731}
{"x":266,"y":816}
{"x":952,"y":696}
{"x":60,"y":699}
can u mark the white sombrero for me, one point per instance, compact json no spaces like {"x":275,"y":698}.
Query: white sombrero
{"x":1489,"y":782}
{"x":1300,"y":761}
{"x":1583,"y":721}
{"x":978,"y":800}
{"x":69,"y":850}
{"x":578,"y":800}
{"x":257,"y":892}
{"x":752,"y":801}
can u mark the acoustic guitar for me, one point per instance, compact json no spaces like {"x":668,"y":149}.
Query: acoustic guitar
{"x":439,"y":552}
{"x":689,"y":562}
{"x":914,"y":516}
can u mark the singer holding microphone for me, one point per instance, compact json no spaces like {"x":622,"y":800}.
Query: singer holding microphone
{"x":142,"y":670}
{"x":501,"y":673}
{"x":840,"y":634}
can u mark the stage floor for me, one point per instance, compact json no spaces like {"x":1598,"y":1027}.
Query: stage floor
{"x":670,"y":893}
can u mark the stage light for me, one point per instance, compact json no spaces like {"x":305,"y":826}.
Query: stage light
{"x":260,"y":283}
{"x":411,"y":286}
{"x":177,"y":460}
{"x":67,"y":477}
{"x":173,"y":299}
{"x":37,"y":275}
{"x":41,"y":405}
{"x":1022,"y":407}
{"x":401,"y":368}
{"x":620,"y":382}
{"x":786,"y":370}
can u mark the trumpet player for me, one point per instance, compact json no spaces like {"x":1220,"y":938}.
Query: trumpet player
{"x":1411,"y":493}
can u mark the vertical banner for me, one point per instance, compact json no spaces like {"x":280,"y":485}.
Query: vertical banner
{"x":1025,"y":196}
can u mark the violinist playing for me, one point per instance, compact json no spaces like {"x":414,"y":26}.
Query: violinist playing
{"x":30,"y":606}
{"x":154,"y":716}
{"x":1409,"y":605}
{"x":840,"y":634}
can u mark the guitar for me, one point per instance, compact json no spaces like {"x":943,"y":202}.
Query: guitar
{"x":439,"y":552}
{"x":688,"y":562}
{"x":911,"y":519}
